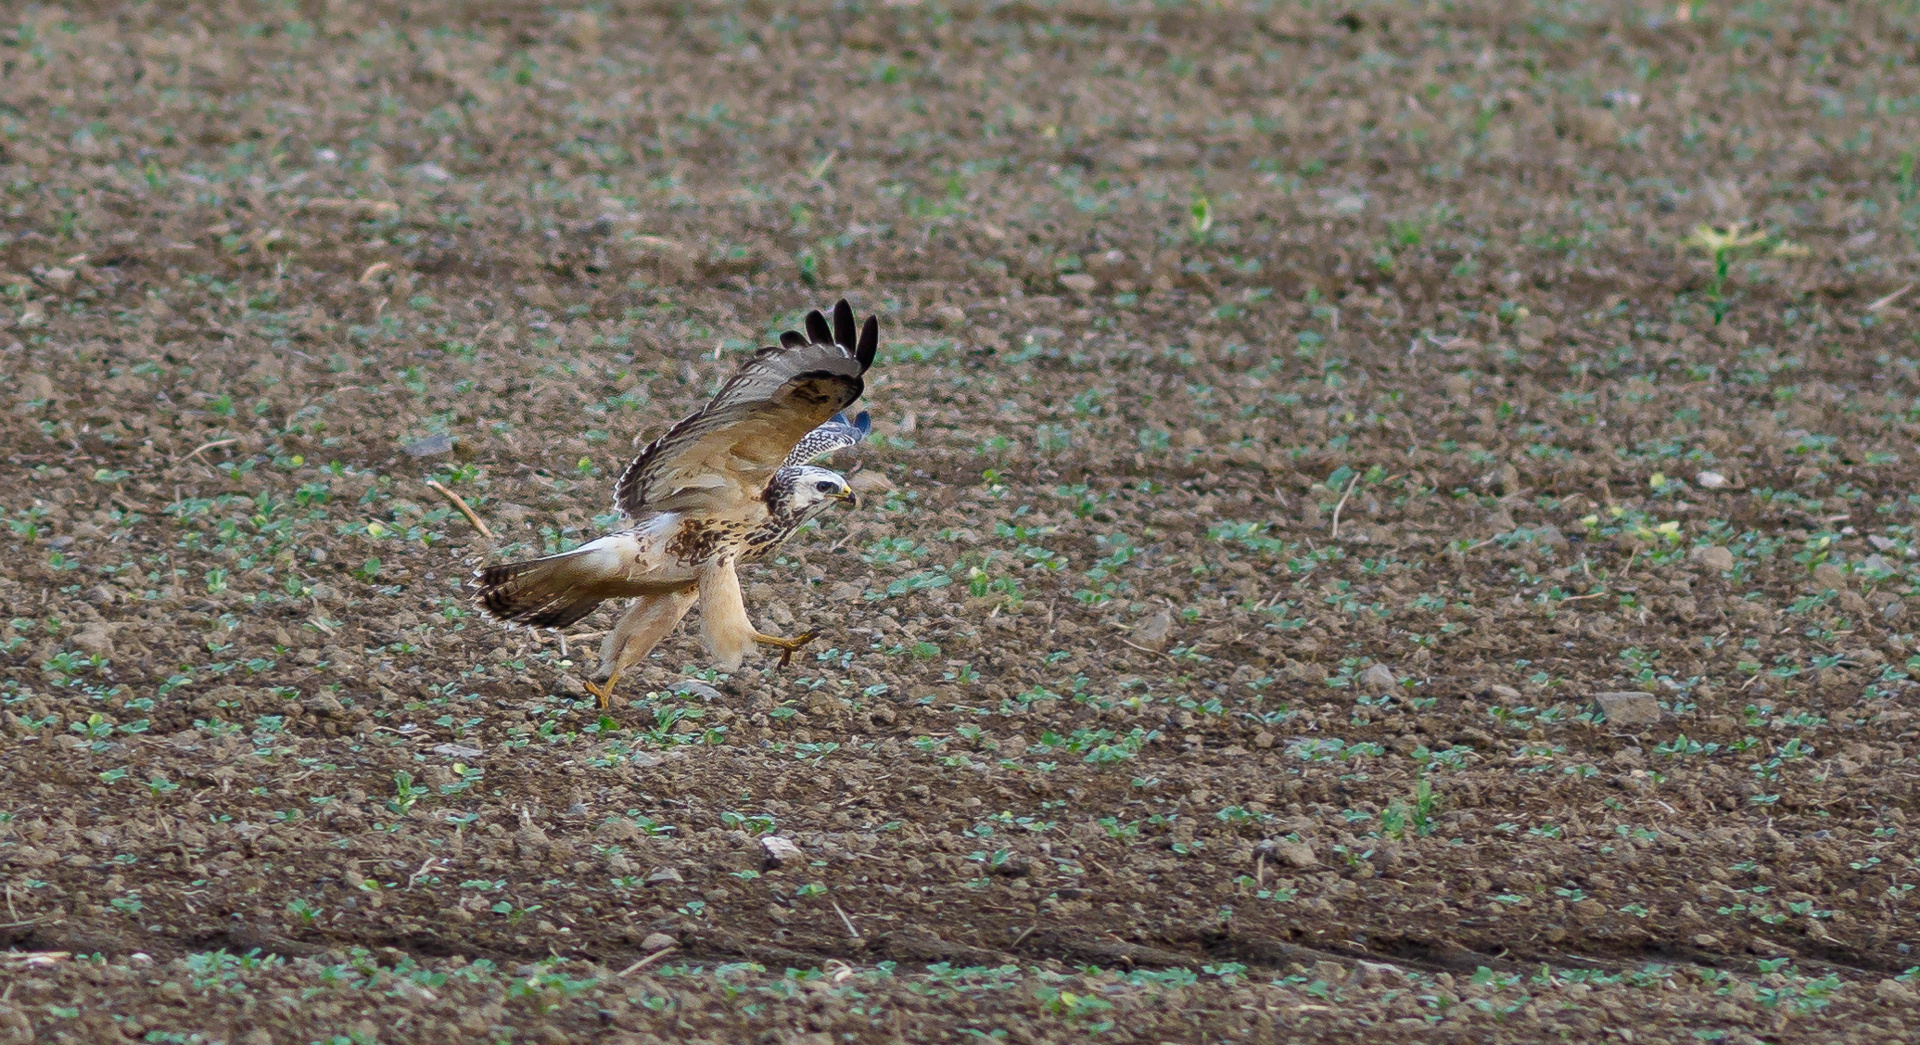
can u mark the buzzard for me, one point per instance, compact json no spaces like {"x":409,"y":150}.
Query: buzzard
{"x":725,"y":485}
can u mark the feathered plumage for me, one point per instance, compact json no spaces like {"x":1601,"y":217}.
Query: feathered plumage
{"x":727,"y":450}
{"x":836,"y":434}
{"x":725,"y":484}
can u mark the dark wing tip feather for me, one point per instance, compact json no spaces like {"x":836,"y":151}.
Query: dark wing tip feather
{"x":843,"y":329}
{"x":864,"y":423}
{"x":869,"y":342}
{"x":792,"y":339}
{"x":817,"y":330}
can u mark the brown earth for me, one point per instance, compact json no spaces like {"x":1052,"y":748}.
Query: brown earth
{"x":1296,"y":419}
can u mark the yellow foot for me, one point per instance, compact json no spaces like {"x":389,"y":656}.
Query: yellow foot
{"x":787,"y":647}
{"x":603,"y":691}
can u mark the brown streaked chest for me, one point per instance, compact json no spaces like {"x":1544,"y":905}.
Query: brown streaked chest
{"x":765,"y":538}
{"x":698,"y":540}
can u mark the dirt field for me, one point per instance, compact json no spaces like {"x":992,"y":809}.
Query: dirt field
{"x":1297,"y":419}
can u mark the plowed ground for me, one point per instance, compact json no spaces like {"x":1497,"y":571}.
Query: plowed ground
{"x":1294,"y":419}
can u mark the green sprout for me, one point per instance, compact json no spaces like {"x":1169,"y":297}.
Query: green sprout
{"x":1722,"y":246}
{"x":1202,"y":211}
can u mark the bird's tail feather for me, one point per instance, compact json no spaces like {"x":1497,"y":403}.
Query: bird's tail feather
{"x":541,"y":593}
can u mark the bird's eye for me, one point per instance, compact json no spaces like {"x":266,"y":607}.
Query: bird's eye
{"x":823,"y":486}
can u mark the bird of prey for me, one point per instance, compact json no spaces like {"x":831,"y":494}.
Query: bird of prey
{"x":725,"y":485}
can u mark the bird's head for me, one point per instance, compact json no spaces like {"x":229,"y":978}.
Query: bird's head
{"x":805,"y":490}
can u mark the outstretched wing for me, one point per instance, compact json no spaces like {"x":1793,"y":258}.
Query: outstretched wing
{"x":837,"y":434}
{"x":723,"y":454}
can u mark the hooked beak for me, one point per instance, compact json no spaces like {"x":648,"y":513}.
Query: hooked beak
{"x":852,"y":499}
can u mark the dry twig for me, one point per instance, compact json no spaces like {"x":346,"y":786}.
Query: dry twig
{"x":1351,"y":483}
{"x":648,"y":960}
{"x":203,"y":447}
{"x":457,"y":502}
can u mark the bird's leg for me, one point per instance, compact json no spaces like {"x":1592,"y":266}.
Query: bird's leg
{"x":644,"y":624}
{"x":787,"y":647}
{"x":604,"y":691}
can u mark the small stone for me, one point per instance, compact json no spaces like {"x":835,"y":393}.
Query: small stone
{"x":1710,"y":480}
{"x":780,"y":851}
{"x":1893,"y":610}
{"x":1706,"y":940}
{"x":1079,"y":282}
{"x":1379,"y":679}
{"x":1500,"y":691}
{"x":663,"y":875}
{"x":1152,"y":632}
{"x":658,"y":942}
{"x":455,"y":750}
{"x":1875,"y":564}
{"x":1713,"y":557}
{"x":949,"y":316}
{"x":1628,"y":708}
{"x":696,"y":688}
{"x":1829,"y":577}
{"x":431,"y":446}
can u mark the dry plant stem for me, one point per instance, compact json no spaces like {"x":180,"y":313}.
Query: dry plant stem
{"x":1348,"y":492}
{"x":204,"y":447}
{"x":648,"y":960}
{"x":458,"y":502}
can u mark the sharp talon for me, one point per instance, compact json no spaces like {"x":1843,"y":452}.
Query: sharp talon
{"x":603,"y":693}
{"x":787,"y":647}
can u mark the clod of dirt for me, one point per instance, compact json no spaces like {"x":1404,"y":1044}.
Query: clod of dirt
{"x":1827,"y":576}
{"x":1152,"y":632}
{"x":780,"y":851}
{"x":1378,"y":973}
{"x":1628,"y":708}
{"x":1379,"y":679}
{"x":1895,"y":991}
{"x":1288,"y":853}
{"x":95,"y":638}
{"x":658,"y":942}
{"x":34,"y":388}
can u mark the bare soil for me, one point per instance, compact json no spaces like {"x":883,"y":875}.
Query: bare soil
{"x":1296,"y":419}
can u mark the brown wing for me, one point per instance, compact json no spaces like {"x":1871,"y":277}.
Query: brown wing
{"x":723,"y":455}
